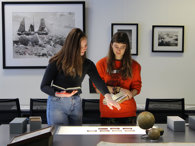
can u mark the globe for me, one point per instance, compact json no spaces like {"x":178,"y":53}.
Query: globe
{"x":145,"y":120}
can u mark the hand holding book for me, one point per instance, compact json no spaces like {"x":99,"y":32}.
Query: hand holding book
{"x":65,"y":92}
{"x":119,"y":97}
{"x":120,"y":94}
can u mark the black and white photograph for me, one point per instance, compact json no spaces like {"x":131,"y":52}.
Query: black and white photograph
{"x":168,"y":39}
{"x":35,"y":35}
{"x":132,"y":32}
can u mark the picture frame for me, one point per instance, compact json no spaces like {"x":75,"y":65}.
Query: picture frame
{"x":132,"y":31}
{"x":32,"y":32}
{"x":43,"y":136}
{"x":167,"y":38}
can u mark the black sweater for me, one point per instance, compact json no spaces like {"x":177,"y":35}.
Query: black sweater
{"x":59,"y":78}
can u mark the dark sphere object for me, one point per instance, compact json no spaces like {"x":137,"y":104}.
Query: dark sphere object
{"x":160,"y":129}
{"x":154,"y":133}
{"x":145,"y":120}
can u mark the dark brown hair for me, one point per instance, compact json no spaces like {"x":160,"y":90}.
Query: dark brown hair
{"x":69,"y":59}
{"x":125,"y":70}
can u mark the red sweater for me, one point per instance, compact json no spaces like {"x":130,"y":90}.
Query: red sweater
{"x":128,"y":107}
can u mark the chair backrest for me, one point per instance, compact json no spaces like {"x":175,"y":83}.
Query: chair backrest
{"x":38,"y":107}
{"x":161,"y":108}
{"x":91,"y":113}
{"x":9,"y":109}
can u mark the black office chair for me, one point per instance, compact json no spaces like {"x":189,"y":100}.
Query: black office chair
{"x":91,"y":113}
{"x":161,"y":108}
{"x":9,"y":109}
{"x":38,"y":107}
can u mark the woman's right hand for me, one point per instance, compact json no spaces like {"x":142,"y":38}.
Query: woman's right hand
{"x":65,"y":94}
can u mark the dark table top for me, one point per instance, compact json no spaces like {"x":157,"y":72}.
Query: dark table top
{"x":93,"y":140}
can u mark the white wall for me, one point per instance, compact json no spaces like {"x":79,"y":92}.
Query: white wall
{"x":164,"y":75}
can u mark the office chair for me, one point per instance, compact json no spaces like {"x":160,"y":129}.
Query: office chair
{"x":9,"y":109}
{"x":91,"y":113}
{"x":38,"y":107}
{"x":161,"y":108}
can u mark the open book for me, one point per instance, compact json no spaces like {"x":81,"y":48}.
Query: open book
{"x":119,"y":97}
{"x":65,"y":89}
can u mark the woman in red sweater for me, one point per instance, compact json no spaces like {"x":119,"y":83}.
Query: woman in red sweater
{"x":121,"y":74}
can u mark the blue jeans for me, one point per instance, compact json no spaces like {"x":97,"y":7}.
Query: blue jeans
{"x":64,"y":111}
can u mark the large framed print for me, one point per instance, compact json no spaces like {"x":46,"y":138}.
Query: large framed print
{"x":167,"y":38}
{"x":35,"y":31}
{"x":132,"y":32}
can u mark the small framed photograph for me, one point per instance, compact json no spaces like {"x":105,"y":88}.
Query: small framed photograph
{"x":34,"y":31}
{"x":132,"y":32}
{"x":167,"y":38}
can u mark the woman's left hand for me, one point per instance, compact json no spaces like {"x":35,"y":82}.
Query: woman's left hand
{"x":127,"y":92}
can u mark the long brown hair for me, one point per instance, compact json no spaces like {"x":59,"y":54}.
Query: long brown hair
{"x":69,"y":59}
{"x":125,"y":70}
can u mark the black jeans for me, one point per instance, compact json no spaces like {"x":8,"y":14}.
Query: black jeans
{"x":119,"y":121}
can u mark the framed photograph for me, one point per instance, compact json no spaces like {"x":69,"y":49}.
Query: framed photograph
{"x":35,"y":31}
{"x":167,"y":38}
{"x":132,"y":32}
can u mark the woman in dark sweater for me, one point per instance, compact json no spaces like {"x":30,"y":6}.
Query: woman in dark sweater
{"x":67,"y":69}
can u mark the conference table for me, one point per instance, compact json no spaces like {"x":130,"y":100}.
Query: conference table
{"x":76,"y":139}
